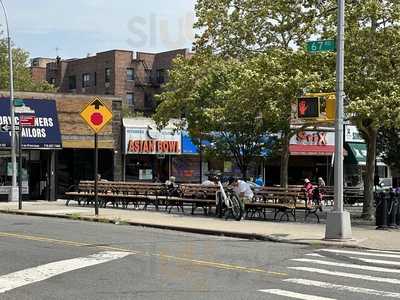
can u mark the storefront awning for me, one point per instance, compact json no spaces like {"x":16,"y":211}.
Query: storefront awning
{"x":317,"y":150}
{"x":358,"y":154}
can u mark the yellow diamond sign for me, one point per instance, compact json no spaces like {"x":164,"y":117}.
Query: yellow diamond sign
{"x":96,"y":114}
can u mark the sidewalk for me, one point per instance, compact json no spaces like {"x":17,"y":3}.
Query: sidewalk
{"x":289,"y":232}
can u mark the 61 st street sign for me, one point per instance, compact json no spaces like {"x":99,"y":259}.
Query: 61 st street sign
{"x":321,"y":46}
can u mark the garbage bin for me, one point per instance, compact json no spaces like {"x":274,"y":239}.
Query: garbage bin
{"x":381,"y":213}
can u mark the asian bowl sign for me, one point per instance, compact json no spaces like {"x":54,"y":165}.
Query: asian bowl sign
{"x":148,"y":140}
{"x":45,"y":134}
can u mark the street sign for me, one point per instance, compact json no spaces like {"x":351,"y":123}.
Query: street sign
{"x":27,"y":121}
{"x":7,"y":128}
{"x":96,"y":114}
{"x":321,"y":46}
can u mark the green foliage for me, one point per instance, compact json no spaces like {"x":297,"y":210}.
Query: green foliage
{"x":22,"y":76}
{"x":388,"y":145}
{"x":244,"y":27}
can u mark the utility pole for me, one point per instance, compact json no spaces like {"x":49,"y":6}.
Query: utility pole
{"x":13,"y":196}
{"x":338,"y":224}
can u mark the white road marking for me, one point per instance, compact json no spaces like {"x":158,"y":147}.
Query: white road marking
{"x":384,"y":251}
{"x":28,"y":276}
{"x":352,"y":266}
{"x":348,"y":275}
{"x":360,"y":253}
{"x":289,"y":294}
{"x":378,"y":261}
{"x":314,"y":255}
{"x":340,"y":287}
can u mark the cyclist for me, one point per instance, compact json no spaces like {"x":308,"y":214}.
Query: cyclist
{"x":242,"y":189}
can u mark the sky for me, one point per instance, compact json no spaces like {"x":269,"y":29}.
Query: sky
{"x":81,"y":27}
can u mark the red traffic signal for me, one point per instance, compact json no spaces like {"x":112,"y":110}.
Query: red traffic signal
{"x":308,"y":107}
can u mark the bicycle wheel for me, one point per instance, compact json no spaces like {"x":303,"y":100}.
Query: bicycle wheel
{"x":236,"y":208}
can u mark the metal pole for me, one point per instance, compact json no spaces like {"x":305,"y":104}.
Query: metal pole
{"x":13,"y":196}
{"x":201,"y":162}
{"x":20,"y":167}
{"x":96,"y":178}
{"x":338,"y":224}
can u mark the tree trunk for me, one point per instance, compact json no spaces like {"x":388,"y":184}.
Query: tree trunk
{"x":284,"y":160}
{"x":369,"y":175}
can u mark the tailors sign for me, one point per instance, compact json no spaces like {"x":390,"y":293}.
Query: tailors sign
{"x":43,"y":131}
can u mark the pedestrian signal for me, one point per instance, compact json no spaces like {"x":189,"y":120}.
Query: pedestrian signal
{"x":308,"y":107}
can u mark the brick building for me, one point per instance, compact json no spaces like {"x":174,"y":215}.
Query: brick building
{"x":133,"y":76}
{"x":38,"y":68}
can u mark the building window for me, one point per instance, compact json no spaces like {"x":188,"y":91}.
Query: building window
{"x":161,"y":76}
{"x":72,"y":82}
{"x":130,"y":99}
{"x":85,"y":80}
{"x":130,"y":74}
{"x":107,"y":75}
{"x":95,"y":79}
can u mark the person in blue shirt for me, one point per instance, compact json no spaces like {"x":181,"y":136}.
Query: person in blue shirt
{"x":259,"y":181}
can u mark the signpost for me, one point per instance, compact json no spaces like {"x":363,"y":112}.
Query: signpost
{"x":321,"y":46}
{"x":97,"y":115}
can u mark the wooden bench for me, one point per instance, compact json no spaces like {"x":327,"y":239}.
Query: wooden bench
{"x":281,"y":200}
{"x":199,"y":196}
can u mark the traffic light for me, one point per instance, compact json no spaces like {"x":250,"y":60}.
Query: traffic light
{"x":308,"y":107}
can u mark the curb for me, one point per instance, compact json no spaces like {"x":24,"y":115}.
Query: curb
{"x":241,"y":235}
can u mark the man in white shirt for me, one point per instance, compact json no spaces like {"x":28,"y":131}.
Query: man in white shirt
{"x":242,"y":189}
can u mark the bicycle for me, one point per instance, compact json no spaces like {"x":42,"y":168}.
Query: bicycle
{"x":232,"y":203}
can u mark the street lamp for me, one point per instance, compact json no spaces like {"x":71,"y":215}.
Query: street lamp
{"x":13,"y":196}
{"x":338,"y":224}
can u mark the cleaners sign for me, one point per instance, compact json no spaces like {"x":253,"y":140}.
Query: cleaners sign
{"x":148,"y":140}
{"x":45,"y":134}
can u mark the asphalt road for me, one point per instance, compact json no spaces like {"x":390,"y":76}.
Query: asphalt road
{"x":45,"y":258}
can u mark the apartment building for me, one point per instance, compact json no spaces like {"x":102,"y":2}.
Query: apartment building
{"x":134,"y":76}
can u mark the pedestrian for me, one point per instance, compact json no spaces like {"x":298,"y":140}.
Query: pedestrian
{"x":210,"y":181}
{"x":308,"y":190}
{"x":243,"y":191}
{"x":259,"y":181}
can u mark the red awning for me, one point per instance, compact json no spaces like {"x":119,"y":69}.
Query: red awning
{"x":321,"y":150}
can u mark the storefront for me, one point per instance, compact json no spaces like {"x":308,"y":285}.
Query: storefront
{"x":311,"y":156}
{"x":355,"y":163}
{"x":39,"y":145}
{"x":148,"y":152}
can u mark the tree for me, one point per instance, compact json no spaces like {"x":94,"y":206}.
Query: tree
{"x":216,"y":100}
{"x":388,"y":143}
{"x":22,"y":76}
{"x":371,"y":73}
{"x":247,"y":28}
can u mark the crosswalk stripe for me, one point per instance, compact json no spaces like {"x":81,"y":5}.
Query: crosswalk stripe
{"x":384,"y":251}
{"x":294,"y":295}
{"x":314,"y":255}
{"x":340,"y":287}
{"x":348,"y":275}
{"x":352,"y":266}
{"x":28,"y":276}
{"x":378,"y":261}
{"x":360,"y":253}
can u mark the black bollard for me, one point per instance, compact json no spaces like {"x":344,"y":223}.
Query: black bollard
{"x":381,"y":212}
{"x":392,"y":212}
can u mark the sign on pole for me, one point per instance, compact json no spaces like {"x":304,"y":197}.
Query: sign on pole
{"x":97,"y":115}
{"x":321,"y":46}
